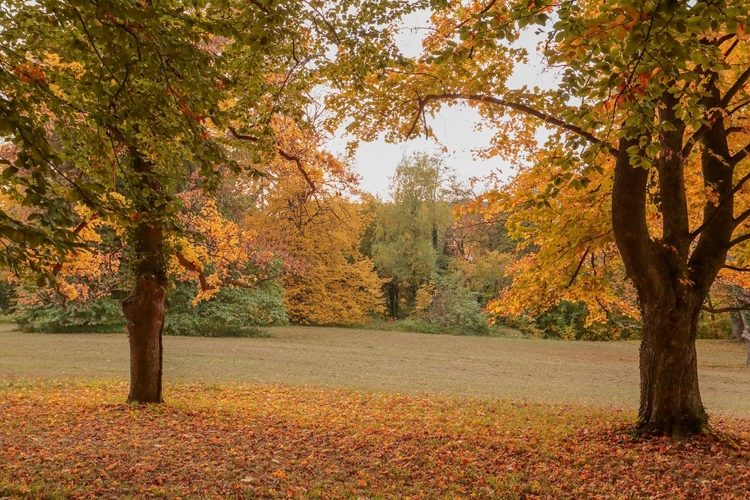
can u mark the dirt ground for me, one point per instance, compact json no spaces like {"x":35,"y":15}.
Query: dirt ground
{"x":601,"y":374}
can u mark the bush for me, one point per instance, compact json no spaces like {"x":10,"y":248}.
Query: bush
{"x":232,"y":312}
{"x":447,"y":306}
{"x":718,"y":326}
{"x":99,"y":315}
{"x":567,"y":321}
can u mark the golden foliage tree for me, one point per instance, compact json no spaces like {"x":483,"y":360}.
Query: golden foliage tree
{"x":303,"y":209}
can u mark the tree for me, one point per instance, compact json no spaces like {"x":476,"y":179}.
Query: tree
{"x":657,"y":88}
{"x":225,"y":278}
{"x":211,"y":255}
{"x":117,"y":94}
{"x":112,"y":103}
{"x":566,"y":249}
{"x":312,"y":219}
{"x":409,"y":236}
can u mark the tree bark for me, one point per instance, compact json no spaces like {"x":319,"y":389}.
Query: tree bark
{"x":670,"y":304}
{"x":144,"y":308}
{"x":670,"y":397}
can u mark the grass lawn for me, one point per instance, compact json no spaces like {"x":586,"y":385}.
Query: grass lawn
{"x":595,"y":373}
{"x":316,"y":413}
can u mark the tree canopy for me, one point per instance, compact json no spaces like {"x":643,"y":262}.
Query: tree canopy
{"x":111,"y":105}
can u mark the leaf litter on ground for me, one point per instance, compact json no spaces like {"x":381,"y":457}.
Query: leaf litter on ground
{"x":72,"y":438}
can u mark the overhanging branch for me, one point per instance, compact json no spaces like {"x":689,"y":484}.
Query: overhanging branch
{"x":297,"y":161}
{"x":300,"y":167}
{"x":739,"y":269}
{"x":741,"y":218}
{"x":190,"y":266}
{"x":739,"y":156}
{"x":739,"y":239}
{"x":580,"y":265}
{"x":523,"y":108}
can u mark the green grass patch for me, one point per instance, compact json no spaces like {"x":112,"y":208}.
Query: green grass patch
{"x":112,"y":328}
{"x":587,"y":373}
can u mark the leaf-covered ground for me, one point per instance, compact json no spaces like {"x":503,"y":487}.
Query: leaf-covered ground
{"x":77,"y":439}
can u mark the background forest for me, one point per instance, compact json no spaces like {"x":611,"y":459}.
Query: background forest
{"x":436,"y":257}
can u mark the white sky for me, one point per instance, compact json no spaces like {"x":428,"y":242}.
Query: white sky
{"x":454,"y":126}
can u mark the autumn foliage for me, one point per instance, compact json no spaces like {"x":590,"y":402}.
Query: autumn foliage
{"x":305,"y":206}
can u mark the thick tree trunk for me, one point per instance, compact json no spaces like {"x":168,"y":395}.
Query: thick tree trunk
{"x":670,"y":396}
{"x":144,"y":308}
{"x":671,"y":294}
{"x":144,"y":316}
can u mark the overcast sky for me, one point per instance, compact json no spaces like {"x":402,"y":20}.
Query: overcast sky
{"x":454,"y":127}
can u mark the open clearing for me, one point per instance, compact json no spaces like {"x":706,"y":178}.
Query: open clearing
{"x":601,"y":374}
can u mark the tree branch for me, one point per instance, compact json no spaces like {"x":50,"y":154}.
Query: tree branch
{"x":247,"y":286}
{"x":578,"y":269}
{"x":260,"y":6}
{"x":738,"y":85}
{"x":738,"y":269}
{"x":739,"y":155}
{"x":738,"y":107}
{"x":741,"y":183}
{"x":300,"y":167}
{"x":282,"y":153}
{"x":719,"y":310}
{"x":242,"y":137}
{"x":523,"y":108}
{"x":739,"y":239}
{"x":741,"y":218}
{"x":184,"y":262}
{"x":477,"y":15}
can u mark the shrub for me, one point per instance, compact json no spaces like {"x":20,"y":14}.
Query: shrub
{"x":567,"y":321}
{"x":231,"y":312}
{"x":712,"y":326}
{"x":99,"y":315}
{"x":446,"y":305}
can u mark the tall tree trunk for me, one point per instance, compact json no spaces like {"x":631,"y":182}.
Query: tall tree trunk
{"x":670,"y":396}
{"x":144,"y":307}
